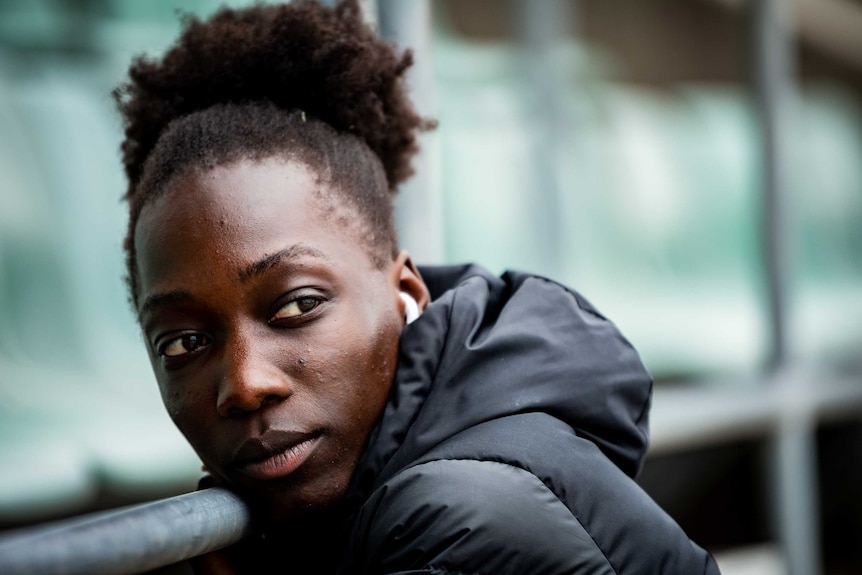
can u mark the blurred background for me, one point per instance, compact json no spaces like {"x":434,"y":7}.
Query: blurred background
{"x":694,"y":167}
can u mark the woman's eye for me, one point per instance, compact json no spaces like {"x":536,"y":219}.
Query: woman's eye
{"x":296,"y":308}
{"x":186,"y":343}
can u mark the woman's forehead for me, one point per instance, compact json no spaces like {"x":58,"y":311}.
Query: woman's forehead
{"x":230,"y":215}
{"x":244,"y":194}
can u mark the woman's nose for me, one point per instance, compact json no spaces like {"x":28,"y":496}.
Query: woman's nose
{"x":250,"y":381}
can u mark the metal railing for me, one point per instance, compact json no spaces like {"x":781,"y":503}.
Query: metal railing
{"x":130,"y":540}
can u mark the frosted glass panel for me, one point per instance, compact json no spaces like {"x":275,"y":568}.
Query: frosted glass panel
{"x":656,"y":201}
{"x":826,"y":311}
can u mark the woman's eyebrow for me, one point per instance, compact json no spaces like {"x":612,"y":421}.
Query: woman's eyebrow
{"x":158,"y":300}
{"x":255,"y":269}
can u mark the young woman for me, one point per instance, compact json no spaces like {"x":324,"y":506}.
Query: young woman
{"x":497,"y":433}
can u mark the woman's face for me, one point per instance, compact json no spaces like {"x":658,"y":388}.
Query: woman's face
{"x":272,"y":334}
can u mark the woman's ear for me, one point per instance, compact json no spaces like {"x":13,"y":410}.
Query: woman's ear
{"x":408,"y":280}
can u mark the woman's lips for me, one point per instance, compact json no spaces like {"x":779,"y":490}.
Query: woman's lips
{"x":275,"y":453}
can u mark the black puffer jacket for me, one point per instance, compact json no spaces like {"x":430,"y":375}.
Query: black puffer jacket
{"x":517,"y":421}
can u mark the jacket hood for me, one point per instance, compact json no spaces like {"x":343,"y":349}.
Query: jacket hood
{"x":488,"y":347}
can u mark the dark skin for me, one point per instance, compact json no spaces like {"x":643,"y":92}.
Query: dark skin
{"x":272,"y":332}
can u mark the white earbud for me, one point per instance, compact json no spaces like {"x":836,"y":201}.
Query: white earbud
{"x":411,"y":308}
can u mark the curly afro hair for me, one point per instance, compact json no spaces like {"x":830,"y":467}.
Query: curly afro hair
{"x":300,"y":80}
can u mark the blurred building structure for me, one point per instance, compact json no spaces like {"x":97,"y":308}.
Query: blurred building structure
{"x":694,"y":167}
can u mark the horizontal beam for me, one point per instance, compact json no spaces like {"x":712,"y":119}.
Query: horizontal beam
{"x":130,"y":540}
{"x":701,"y":413}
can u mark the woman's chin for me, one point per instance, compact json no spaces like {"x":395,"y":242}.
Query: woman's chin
{"x":284,"y":504}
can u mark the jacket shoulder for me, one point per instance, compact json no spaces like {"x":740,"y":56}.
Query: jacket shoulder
{"x":522,"y":494}
{"x":473,"y":517}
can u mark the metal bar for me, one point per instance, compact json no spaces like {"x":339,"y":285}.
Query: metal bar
{"x":369,"y":12}
{"x":793,"y":449}
{"x":794,"y":474}
{"x":418,"y":207}
{"x":717,"y":411}
{"x":774,"y":85}
{"x":367,"y":7}
{"x":131,"y":540}
{"x":542,"y":30}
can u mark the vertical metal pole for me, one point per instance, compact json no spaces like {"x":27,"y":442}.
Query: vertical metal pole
{"x":794,"y":469}
{"x":369,"y":12}
{"x":775,"y":89}
{"x":418,"y":210}
{"x":793,"y":448}
{"x":543,"y":26}
{"x":367,"y":7}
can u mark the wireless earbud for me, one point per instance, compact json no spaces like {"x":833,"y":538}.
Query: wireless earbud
{"x":411,"y":308}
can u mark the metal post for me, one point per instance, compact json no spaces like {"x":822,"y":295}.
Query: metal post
{"x":367,"y":7}
{"x":131,"y":540}
{"x":775,"y":89}
{"x":369,"y":12}
{"x":794,"y":475}
{"x":543,"y":26}
{"x":418,"y":210}
{"x":793,"y":448}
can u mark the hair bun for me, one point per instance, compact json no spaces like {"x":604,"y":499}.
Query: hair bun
{"x":298,"y":56}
